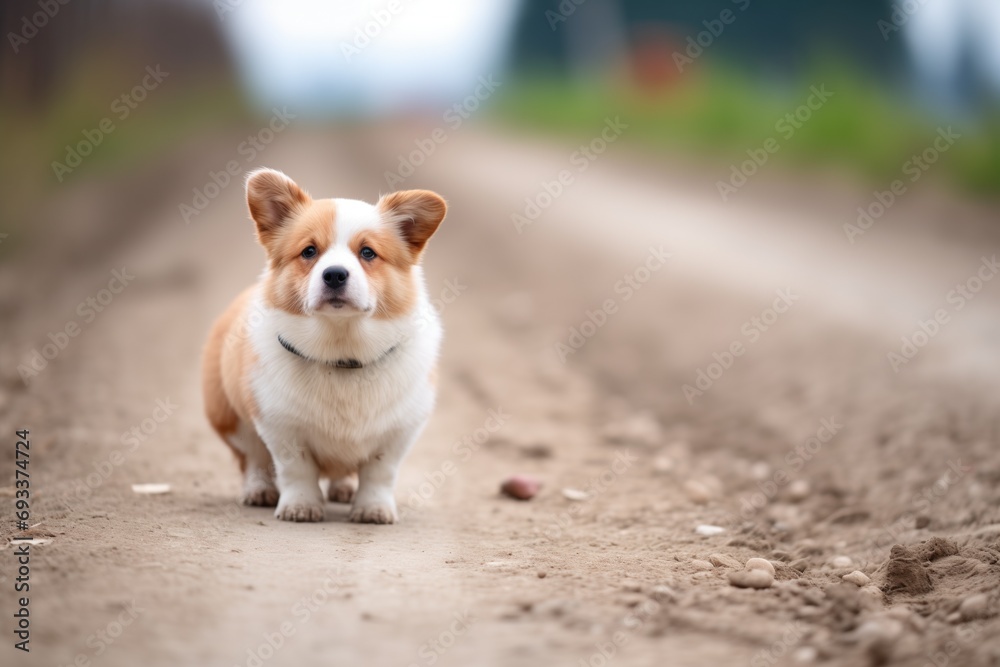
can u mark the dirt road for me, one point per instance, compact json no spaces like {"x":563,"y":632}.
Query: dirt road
{"x":568,"y":348}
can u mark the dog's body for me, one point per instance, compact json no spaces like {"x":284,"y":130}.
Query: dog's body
{"x":325,"y":368}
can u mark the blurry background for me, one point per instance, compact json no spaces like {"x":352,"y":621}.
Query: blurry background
{"x":692,"y":84}
{"x":823,"y":175}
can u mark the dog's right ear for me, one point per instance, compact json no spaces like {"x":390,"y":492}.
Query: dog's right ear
{"x":272,"y":198}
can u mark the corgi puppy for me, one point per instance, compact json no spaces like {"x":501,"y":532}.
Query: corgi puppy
{"x":325,"y":368}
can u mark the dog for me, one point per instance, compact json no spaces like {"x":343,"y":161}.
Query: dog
{"x":326,"y":367}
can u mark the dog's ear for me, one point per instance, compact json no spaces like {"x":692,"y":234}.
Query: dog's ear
{"x":416,"y":214}
{"x":272,"y":198}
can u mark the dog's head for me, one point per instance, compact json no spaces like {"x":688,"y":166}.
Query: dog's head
{"x":341,"y":257}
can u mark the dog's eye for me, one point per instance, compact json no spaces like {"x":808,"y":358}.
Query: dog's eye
{"x":368,"y":253}
{"x":309,"y":252}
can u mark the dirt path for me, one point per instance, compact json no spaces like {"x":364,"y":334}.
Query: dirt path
{"x":870,"y":457}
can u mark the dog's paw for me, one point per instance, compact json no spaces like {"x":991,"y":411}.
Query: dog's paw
{"x":342,"y":490}
{"x":299,"y":511}
{"x":373,"y":513}
{"x":260,"y":494}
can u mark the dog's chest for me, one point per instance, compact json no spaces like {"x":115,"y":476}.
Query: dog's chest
{"x":342,"y":413}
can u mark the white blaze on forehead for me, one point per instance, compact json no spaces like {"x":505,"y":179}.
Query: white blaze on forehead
{"x":352,"y":217}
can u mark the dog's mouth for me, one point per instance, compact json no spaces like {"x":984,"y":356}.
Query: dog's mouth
{"x":340,"y":303}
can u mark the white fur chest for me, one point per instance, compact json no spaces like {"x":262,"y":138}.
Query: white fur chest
{"x":343,"y":415}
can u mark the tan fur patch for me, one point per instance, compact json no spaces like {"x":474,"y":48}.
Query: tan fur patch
{"x":226,"y":365}
{"x":287,"y":283}
{"x":390,"y":274}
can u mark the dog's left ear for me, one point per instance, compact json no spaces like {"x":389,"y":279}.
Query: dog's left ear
{"x":416,"y":213}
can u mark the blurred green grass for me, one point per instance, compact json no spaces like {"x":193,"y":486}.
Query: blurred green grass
{"x":720,"y":113}
{"x":168,"y":116}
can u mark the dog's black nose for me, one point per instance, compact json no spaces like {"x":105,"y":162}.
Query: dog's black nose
{"x":335,"y":276}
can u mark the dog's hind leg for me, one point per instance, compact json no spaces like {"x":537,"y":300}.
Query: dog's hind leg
{"x":258,"y":472}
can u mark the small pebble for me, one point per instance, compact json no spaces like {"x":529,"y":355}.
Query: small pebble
{"x":151,"y":489}
{"x":702,"y":564}
{"x":542,"y":575}
{"x":878,"y":630}
{"x":858,"y":578}
{"x":663,"y":463}
{"x":722,"y":560}
{"x":841,"y":562}
{"x":973,"y":607}
{"x":521,"y":487}
{"x":798,"y":490}
{"x":760,"y":471}
{"x":751,"y":579}
{"x":805,"y":655}
{"x":707,"y":530}
{"x":697,"y":492}
{"x":760,"y":564}
{"x":575,"y":494}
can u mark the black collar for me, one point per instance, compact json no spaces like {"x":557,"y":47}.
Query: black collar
{"x":339,"y":363}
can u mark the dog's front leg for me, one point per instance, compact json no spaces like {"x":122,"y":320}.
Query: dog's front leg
{"x":301,"y":498}
{"x":374,"y":501}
